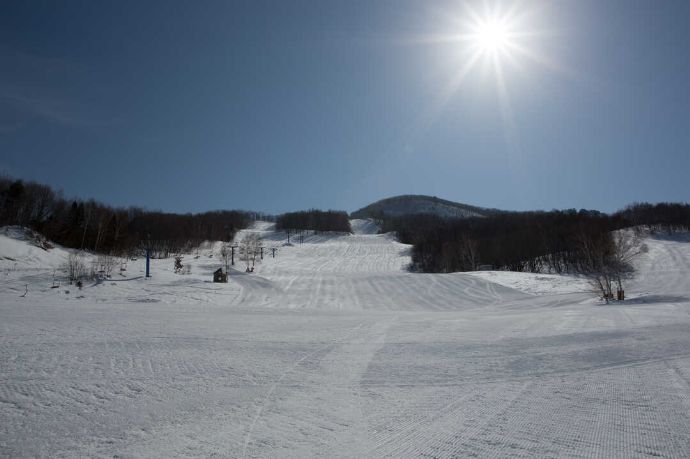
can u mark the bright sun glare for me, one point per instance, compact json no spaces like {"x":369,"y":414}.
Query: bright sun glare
{"x":489,"y":41}
{"x":491,"y":36}
{"x":496,"y":32}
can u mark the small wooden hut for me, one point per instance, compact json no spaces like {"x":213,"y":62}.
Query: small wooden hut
{"x":220,"y":276}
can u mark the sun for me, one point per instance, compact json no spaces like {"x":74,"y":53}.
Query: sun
{"x":499,"y":31}
{"x":488,"y":48}
{"x":491,"y":36}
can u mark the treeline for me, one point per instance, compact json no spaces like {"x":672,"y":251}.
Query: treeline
{"x":315,"y":220}
{"x":93,"y":226}
{"x":555,"y":241}
{"x":664,"y":216}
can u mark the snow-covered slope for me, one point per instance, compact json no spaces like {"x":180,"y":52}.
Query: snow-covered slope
{"x":325,"y":271}
{"x":536,"y":284}
{"x":23,"y":249}
{"x":364,"y":226}
{"x":333,"y":349}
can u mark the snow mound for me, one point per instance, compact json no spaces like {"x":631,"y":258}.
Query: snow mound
{"x":23,"y":247}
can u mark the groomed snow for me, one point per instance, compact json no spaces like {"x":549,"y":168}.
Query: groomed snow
{"x":536,"y":284}
{"x":333,"y":349}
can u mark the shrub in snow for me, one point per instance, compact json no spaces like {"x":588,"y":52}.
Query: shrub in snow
{"x":178,"y":264}
{"x":104,"y":265}
{"x":75,"y":268}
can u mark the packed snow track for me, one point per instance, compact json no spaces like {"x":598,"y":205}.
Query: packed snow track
{"x":334,"y":349}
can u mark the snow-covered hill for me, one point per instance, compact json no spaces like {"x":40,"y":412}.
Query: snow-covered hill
{"x":24,"y":249}
{"x":333,"y":349}
{"x":420,"y":204}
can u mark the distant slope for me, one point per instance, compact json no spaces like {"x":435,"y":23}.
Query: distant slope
{"x":420,"y":204}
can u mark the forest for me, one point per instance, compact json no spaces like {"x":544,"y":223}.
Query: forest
{"x":315,"y":220}
{"x":97,"y":227}
{"x":559,"y":241}
{"x":555,"y":241}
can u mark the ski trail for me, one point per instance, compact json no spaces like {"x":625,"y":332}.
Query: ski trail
{"x":266,"y":398}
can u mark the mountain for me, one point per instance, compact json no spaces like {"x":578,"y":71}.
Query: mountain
{"x":420,"y":204}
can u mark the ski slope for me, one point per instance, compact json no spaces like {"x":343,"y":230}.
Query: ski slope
{"x":333,"y":349}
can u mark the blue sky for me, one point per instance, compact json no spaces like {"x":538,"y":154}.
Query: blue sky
{"x":276,"y":106}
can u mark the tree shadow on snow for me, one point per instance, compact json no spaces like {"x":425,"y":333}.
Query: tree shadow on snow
{"x":652,"y":299}
{"x":674,"y":237}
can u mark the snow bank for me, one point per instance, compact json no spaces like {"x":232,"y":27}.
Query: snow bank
{"x":21,"y":248}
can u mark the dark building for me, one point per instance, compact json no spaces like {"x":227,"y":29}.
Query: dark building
{"x":219,"y":275}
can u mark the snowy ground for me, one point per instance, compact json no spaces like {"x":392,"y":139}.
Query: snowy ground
{"x":332,"y":349}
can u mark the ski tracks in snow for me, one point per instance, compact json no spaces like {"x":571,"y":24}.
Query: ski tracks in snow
{"x":325,"y":397}
{"x":333,"y":349}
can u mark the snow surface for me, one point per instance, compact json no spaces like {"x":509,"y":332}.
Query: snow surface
{"x":333,"y":349}
{"x":536,"y":284}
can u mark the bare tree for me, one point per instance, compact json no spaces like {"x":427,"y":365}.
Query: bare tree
{"x":102,"y":218}
{"x":626,"y":247}
{"x":470,"y":249}
{"x":249,"y":249}
{"x":607,"y":260}
{"x":88,"y":212}
{"x":226,"y":255}
{"x":595,"y":251}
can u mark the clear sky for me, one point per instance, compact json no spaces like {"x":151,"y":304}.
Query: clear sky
{"x":285,"y":105}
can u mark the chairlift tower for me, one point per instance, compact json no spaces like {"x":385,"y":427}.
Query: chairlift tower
{"x":148,"y":256}
{"x":232,"y":254}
